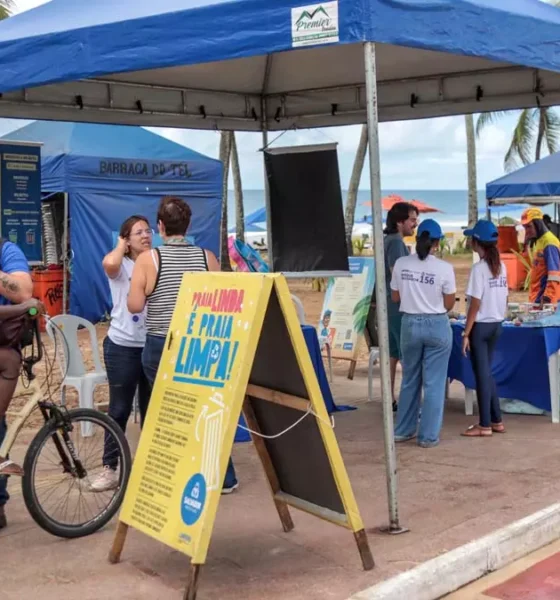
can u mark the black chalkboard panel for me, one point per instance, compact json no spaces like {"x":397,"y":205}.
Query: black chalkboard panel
{"x":299,"y":456}
{"x":306,"y":213}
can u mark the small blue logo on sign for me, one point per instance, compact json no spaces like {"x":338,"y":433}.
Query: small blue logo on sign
{"x":194,"y":498}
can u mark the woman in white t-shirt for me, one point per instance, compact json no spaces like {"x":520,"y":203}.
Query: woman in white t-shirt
{"x":122,"y":348}
{"x":424,"y":285}
{"x":487,"y":294}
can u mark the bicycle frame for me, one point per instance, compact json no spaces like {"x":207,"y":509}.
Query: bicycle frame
{"x":20,"y":418}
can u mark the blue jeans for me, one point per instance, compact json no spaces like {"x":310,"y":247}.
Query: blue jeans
{"x":4,"y":496}
{"x":124,"y":373}
{"x":151,"y":357}
{"x":230,"y":479}
{"x":483,"y":339}
{"x":426,"y":342}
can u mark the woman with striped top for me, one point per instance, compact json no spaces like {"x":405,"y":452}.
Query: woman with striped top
{"x":156,"y":281}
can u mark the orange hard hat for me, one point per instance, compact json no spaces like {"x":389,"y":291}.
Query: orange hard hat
{"x":530,"y":214}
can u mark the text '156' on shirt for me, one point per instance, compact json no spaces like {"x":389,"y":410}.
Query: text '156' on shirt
{"x":491,"y":291}
{"x":422,"y":284}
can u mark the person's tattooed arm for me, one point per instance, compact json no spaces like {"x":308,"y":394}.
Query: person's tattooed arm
{"x":16,"y":287}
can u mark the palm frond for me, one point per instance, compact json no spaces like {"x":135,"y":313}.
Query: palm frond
{"x":6,"y":8}
{"x":522,"y":142}
{"x":551,"y":123}
{"x":488,"y":118}
{"x":360,"y":314}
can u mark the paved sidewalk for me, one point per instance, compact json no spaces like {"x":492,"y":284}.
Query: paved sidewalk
{"x":449,"y":495}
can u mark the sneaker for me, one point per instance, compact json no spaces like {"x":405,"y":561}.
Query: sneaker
{"x":229,"y":489}
{"x":105,"y":481}
{"x":3,"y":521}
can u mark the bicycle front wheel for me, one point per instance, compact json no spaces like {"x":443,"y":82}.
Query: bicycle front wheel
{"x":63,"y":460}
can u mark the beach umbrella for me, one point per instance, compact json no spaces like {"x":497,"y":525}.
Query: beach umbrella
{"x":389,"y":201}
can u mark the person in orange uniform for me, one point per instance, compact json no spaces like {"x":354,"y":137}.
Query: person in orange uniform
{"x":545,"y":270}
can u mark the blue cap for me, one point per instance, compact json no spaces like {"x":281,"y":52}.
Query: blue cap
{"x":484,"y":231}
{"x":431,"y":227}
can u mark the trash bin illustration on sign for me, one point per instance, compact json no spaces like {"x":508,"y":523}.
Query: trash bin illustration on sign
{"x":212,"y":421}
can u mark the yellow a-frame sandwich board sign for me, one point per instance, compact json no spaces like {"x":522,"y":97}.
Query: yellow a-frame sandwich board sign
{"x":234,"y":344}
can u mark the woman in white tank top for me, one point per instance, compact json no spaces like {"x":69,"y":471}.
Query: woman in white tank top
{"x":123,"y":346}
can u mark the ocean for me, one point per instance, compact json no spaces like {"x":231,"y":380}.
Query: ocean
{"x":451,"y":203}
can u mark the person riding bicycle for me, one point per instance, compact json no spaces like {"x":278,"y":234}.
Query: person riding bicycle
{"x":16,"y":288}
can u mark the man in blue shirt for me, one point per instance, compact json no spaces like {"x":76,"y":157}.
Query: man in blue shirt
{"x":16,"y":287}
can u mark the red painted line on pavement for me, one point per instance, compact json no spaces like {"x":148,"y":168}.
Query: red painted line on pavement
{"x":539,"y":582}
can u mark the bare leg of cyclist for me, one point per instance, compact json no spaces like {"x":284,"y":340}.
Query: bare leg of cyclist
{"x":10,"y":362}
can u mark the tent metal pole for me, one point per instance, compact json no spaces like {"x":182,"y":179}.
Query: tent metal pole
{"x":65,"y":257}
{"x":266,"y":187}
{"x":381,"y":287}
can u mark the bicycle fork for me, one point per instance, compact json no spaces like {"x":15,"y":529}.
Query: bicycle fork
{"x":63,"y":425}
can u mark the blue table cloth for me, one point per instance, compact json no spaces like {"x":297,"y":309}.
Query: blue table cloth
{"x":312,"y":342}
{"x":520,"y":365}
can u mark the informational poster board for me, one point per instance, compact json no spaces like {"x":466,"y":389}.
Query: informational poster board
{"x":235,"y":343}
{"x":345,"y":309}
{"x":20,"y":197}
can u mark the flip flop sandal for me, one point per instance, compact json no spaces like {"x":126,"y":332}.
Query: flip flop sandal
{"x":9,"y":467}
{"x":477,"y":431}
{"x":498,"y":428}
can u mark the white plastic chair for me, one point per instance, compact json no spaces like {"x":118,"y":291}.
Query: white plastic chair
{"x":63,"y":330}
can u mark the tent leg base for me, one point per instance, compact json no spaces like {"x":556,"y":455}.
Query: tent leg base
{"x":390,"y":530}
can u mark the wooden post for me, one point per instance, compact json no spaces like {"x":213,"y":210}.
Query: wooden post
{"x":364,"y":550}
{"x":118,"y":543}
{"x":192,"y":583}
{"x":270,"y":472}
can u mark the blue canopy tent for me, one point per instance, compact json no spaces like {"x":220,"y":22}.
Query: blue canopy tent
{"x":110,"y":173}
{"x":258,"y":65}
{"x":537,"y":183}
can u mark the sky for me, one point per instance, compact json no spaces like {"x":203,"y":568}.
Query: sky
{"x":415,"y":155}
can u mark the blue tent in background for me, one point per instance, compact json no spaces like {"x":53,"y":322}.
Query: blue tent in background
{"x":259,"y":216}
{"x":539,"y":181}
{"x":109,"y":174}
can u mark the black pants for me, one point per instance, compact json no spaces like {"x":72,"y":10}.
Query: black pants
{"x":125,"y":374}
{"x":483,"y":339}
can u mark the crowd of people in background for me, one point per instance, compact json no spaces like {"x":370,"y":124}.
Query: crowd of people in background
{"x":145,"y":283}
{"x":422,"y":293}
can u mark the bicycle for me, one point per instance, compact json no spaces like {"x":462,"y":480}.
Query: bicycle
{"x":68,"y":474}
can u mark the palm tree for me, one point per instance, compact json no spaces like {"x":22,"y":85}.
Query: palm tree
{"x":350,"y":212}
{"x":6,"y":8}
{"x":535,"y":128}
{"x":225,"y":152}
{"x":238,"y":191}
{"x":471,"y":168}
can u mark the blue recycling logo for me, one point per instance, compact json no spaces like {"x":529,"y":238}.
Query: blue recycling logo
{"x":193,"y":499}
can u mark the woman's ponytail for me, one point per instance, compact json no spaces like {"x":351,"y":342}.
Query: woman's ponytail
{"x":423,"y":245}
{"x":492,"y":257}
